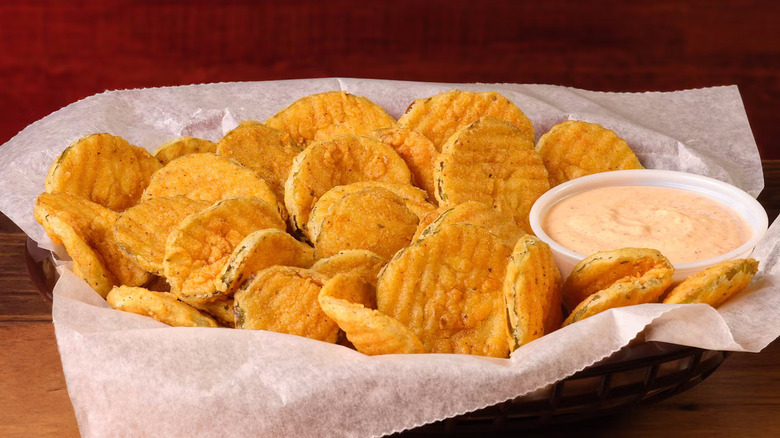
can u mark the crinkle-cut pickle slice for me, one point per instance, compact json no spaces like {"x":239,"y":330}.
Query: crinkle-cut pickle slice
{"x":325,"y":115}
{"x":346,"y":299}
{"x":438,"y":117}
{"x":418,"y":152}
{"x":283,"y":299}
{"x":209,"y":178}
{"x":104,"y":169}
{"x":86,"y":229}
{"x":360,"y":262}
{"x":200,"y":246}
{"x":373,"y":218}
{"x":267,"y":151}
{"x":162,"y":306}
{"x":618,"y":278}
{"x":575,"y":148}
{"x":448,"y":290}
{"x":141,"y":230}
{"x":533,"y":291}
{"x":714,"y":285}
{"x":490,"y":161}
{"x":260,"y":250}
{"x":173,"y":149}
{"x":475,"y":213}
{"x":415,"y":200}
{"x":602,"y":269}
{"x":341,"y":160}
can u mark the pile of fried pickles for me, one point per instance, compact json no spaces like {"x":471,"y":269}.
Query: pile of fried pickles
{"x":334,"y":221}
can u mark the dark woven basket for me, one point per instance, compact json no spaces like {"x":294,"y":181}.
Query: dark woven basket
{"x":640,"y":373}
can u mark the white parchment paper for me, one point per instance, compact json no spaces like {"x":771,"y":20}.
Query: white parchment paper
{"x":129,"y":375}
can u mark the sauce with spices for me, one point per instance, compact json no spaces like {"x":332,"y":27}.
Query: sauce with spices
{"x":683,"y":225}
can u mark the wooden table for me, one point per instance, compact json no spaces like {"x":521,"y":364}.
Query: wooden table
{"x":742,"y":398}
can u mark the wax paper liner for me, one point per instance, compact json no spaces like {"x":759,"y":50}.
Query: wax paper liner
{"x":128,"y":375}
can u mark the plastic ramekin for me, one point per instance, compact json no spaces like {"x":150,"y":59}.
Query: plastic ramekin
{"x":744,"y":204}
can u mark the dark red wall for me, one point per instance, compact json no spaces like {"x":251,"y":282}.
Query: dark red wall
{"x":55,"y":52}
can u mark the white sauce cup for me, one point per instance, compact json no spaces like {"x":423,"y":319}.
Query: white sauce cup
{"x":741,"y":202}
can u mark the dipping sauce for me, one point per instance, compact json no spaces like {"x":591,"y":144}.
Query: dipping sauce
{"x":683,"y":225}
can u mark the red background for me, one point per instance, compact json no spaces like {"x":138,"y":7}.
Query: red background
{"x":53,"y":53}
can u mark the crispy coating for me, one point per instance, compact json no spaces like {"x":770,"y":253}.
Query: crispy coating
{"x":343,"y":299}
{"x":162,"y":306}
{"x":104,"y":169}
{"x":415,"y":200}
{"x":208,"y":177}
{"x":183,"y":146}
{"x":200,"y":246}
{"x":475,"y":213}
{"x":373,"y":218}
{"x":221,"y":309}
{"x":532,"y":287}
{"x":438,"y":117}
{"x":448,"y":290}
{"x":574,"y":148}
{"x":418,"y":152}
{"x":325,"y":115}
{"x":602,"y":269}
{"x":360,"y":262}
{"x":714,"y":285}
{"x":259,"y":250}
{"x":490,"y":161}
{"x":342,"y":160}
{"x":267,"y":151}
{"x":142,"y":229}
{"x":283,"y":299}
{"x":618,"y":278}
{"x":86,"y":229}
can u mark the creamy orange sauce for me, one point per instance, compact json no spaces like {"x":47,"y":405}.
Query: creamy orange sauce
{"x":683,"y":225}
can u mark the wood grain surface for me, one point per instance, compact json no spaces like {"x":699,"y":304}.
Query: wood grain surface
{"x":53,"y":53}
{"x":741,"y":399}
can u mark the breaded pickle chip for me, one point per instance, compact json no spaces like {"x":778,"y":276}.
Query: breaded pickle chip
{"x":448,"y":290}
{"x":162,"y":306}
{"x":418,"y":152}
{"x":104,"y":169}
{"x":475,"y":213}
{"x":618,"y":278}
{"x":370,"y":331}
{"x":325,"y":115}
{"x":259,"y":250}
{"x":208,"y":177}
{"x":283,"y":299}
{"x":200,"y":246}
{"x":342,"y":160}
{"x":267,"y":151}
{"x":533,"y":292}
{"x":86,"y":229}
{"x":490,"y":161}
{"x":602,"y":269}
{"x":574,"y":148}
{"x":142,"y":229}
{"x":438,"y":117}
{"x":415,"y":200}
{"x":183,"y":146}
{"x":360,"y":262}
{"x":714,"y":285}
{"x":221,"y":309}
{"x":372,"y":218}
